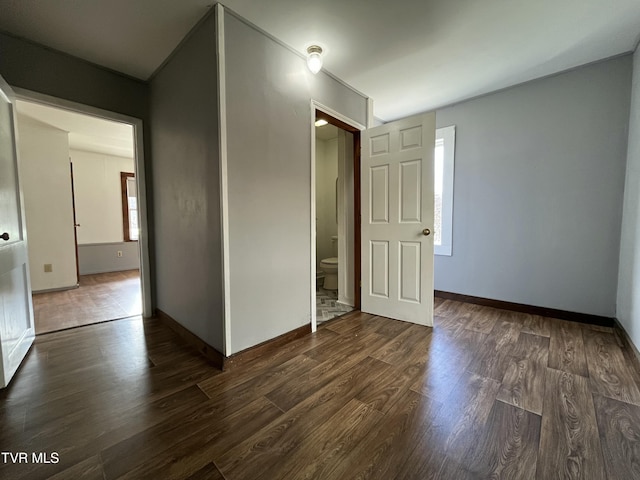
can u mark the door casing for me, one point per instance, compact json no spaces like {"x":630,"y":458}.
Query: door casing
{"x":137,"y":124}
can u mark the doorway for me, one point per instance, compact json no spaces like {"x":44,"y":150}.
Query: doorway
{"x":336,"y":217}
{"x":83,"y":268}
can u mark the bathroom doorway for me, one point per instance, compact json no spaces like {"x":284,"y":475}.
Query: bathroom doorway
{"x":337,"y":217}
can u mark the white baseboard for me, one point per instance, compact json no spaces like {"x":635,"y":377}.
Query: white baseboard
{"x":58,"y":289}
{"x":346,"y":302}
{"x":109,"y":270}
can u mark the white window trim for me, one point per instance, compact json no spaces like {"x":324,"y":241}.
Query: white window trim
{"x":448,"y":136}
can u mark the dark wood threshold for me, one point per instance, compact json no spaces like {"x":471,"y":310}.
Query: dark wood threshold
{"x":216,"y":358}
{"x":264,"y":348}
{"x":530,"y":309}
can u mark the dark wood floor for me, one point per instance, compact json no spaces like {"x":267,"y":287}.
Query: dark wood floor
{"x":100,"y":297}
{"x":485,"y":394}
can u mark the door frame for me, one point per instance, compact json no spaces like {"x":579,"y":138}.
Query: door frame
{"x":137,"y":124}
{"x":75,"y":224}
{"x":335,"y":118}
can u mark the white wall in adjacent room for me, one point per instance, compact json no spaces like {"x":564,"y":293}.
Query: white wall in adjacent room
{"x":99,"y":196}
{"x":46,"y":185}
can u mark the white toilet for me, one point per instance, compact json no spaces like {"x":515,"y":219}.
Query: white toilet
{"x":330,"y":268}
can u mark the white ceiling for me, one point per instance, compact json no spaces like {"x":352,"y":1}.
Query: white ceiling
{"x":408,"y":55}
{"x":85,"y":132}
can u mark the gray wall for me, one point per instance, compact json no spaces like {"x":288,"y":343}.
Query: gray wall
{"x":628,"y":308}
{"x":539,"y":176}
{"x":186,"y":186}
{"x":103,"y":257}
{"x":269,"y":91}
{"x":30,"y":66}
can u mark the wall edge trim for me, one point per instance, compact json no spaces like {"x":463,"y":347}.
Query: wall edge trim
{"x":182,"y":42}
{"x":252,"y":25}
{"x":224,"y":177}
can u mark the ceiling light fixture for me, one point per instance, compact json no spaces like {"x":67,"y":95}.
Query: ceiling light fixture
{"x":321,"y":123}
{"x":314,"y":58}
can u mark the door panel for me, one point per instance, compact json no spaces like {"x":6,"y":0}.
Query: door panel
{"x":380,"y":269}
{"x":16,"y":308}
{"x":9,"y":202}
{"x":397,"y":204}
{"x":379,"y":198}
{"x":410,"y":194}
{"x":410,"y":259}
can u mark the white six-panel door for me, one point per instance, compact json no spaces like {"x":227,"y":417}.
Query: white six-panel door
{"x":397,"y":219}
{"x":16,"y":310}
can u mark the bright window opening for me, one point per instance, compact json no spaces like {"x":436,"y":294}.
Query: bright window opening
{"x":443,"y":189}
{"x":129,"y":207}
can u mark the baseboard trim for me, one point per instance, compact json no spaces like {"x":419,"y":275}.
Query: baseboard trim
{"x":206,"y":350}
{"x":530,"y":309}
{"x":264,"y":348}
{"x":346,"y":303}
{"x":57,"y":289}
{"x":110,"y":270}
{"x":622,"y":334}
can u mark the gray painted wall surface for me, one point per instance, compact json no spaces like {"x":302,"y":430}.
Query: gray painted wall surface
{"x":539,"y":176}
{"x":628,"y":307}
{"x":269,"y":91}
{"x":186,"y":187}
{"x":103,"y":257}
{"x":30,"y":66}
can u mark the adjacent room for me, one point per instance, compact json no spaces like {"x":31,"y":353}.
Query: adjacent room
{"x":335,"y":239}
{"x":78,"y":183}
{"x":440,"y":282}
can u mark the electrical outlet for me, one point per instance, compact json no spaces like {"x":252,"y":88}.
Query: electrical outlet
{"x":48,"y":268}
{"x":119,"y":253}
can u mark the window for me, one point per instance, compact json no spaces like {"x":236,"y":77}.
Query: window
{"x":443,"y":188}
{"x":129,"y":207}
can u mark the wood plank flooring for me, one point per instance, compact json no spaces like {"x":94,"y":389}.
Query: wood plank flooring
{"x":99,"y":298}
{"x":485,"y":394}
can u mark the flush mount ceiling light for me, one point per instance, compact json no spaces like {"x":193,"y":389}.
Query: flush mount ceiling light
{"x":314,"y":58}
{"x":321,"y":123}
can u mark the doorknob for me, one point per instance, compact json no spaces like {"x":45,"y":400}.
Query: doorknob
{"x":5,"y":236}
{"x":426,"y":232}
{"x":76,"y":224}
